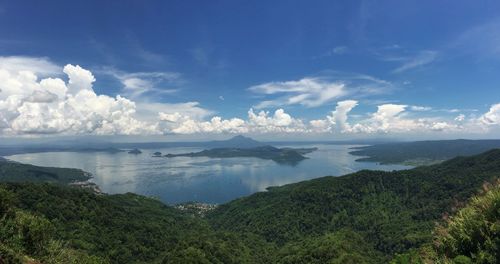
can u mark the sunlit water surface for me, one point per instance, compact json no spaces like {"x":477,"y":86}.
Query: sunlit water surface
{"x":210,"y":180}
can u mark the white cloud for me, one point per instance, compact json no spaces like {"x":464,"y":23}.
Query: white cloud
{"x":492,"y":117}
{"x":43,"y":96}
{"x":183,"y":124}
{"x":215,"y":125}
{"x":55,"y":86}
{"x":192,"y":110}
{"x":460,"y":118}
{"x":389,"y":118}
{"x":420,"y":108}
{"x":39,"y":66}
{"x":337,"y":120}
{"x":310,"y":92}
{"x":279,"y":121}
{"x":442,"y":126}
{"x":317,"y":91}
{"x":261,"y":122}
{"x":320,"y":125}
{"x":141,"y":85}
{"x":79,"y":78}
{"x":422,"y":58}
{"x":49,"y":106}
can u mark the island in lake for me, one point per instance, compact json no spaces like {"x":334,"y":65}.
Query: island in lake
{"x":135,"y":151}
{"x":280,"y":155}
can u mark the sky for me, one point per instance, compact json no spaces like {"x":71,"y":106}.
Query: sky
{"x":329,"y":70}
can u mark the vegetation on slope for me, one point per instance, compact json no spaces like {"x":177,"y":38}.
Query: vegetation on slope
{"x":471,"y":235}
{"x":124,"y":228}
{"x":474,"y":232}
{"x":17,"y":172}
{"x":392,"y":211}
{"x":365,"y":217}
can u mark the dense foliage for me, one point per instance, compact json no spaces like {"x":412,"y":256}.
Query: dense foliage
{"x":16,"y":172}
{"x":471,"y":235}
{"x":423,"y":152}
{"x":365,"y":217}
{"x":392,"y":211}
{"x":117,"y":228}
{"x":474,"y":232}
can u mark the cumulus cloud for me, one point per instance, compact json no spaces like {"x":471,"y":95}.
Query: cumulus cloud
{"x":393,"y":118}
{"x":339,"y":116}
{"x":51,"y":105}
{"x":317,"y":91}
{"x":389,"y":118}
{"x":79,"y":78}
{"x":337,"y":120}
{"x":492,"y":117}
{"x":261,"y":122}
{"x":279,"y":121}
{"x":31,"y":103}
{"x":215,"y":125}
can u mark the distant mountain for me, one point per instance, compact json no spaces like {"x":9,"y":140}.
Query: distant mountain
{"x":423,"y":152}
{"x":235,"y":142}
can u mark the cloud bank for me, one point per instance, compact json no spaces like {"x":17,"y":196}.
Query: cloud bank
{"x":38,"y":97}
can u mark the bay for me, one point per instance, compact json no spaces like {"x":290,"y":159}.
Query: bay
{"x":202,"y":179}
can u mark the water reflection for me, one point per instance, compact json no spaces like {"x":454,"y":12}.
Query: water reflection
{"x":203,"y":179}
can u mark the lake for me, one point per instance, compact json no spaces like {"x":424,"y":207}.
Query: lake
{"x":202,"y":179}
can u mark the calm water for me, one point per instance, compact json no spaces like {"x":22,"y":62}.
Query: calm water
{"x":182,"y":179}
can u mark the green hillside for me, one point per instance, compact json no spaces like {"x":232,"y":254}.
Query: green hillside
{"x":471,"y":235}
{"x":16,"y":172}
{"x":365,"y":217}
{"x":42,"y":221}
{"x":391,"y":211}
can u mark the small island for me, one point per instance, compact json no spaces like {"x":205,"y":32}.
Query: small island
{"x":280,"y":155}
{"x":135,"y":151}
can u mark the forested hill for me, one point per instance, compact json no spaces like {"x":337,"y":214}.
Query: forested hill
{"x":11,"y":171}
{"x":471,"y":235}
{"x":47,"y":223}
{"x":365,"y":217}
{"x":423,"y":152}
{"x":391,"y":211}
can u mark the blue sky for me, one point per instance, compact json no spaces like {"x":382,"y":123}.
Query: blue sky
{"x":199,"y":59}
